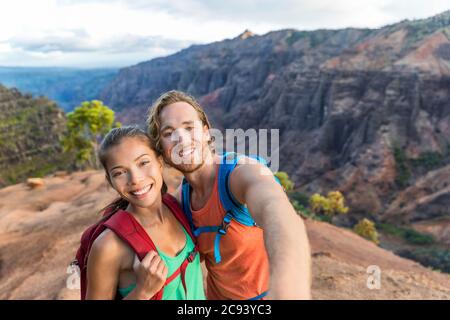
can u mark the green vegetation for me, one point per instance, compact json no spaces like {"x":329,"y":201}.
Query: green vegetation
{"x":435,"y":257}
{"x":330,"y":205}
{"x":86,"y":126}
{"x":410,"y":235}
{"x":403,"y":173}
{"x":307,"y":213}
{"x":366,"y":229}
{"x":30,"y":129}
{"x":283,"y":177}
{"x":315,"y":38}
{"x":428,"y":160}
{"x":37,"y":166}
{"x":295,"y":36}
{"x":318,"y":207}
{"x":299,"y":197}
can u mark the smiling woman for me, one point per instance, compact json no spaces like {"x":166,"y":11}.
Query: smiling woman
{"x":143,"y":248}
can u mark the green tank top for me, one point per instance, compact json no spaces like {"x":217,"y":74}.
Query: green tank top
{"x":194,"y":278}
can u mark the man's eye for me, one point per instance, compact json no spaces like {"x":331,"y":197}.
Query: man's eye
{"x":189,"y":128}
{"x":166,"y":134}
{"x":116,"y":174}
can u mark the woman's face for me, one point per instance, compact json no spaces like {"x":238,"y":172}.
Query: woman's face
{"x":135,"y":171}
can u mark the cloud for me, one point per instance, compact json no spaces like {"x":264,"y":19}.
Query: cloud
{"x":117,"y":31}
{"x":300,"y":14}
{"x":79,"y":40}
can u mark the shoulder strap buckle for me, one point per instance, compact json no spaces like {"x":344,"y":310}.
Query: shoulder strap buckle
{"x":192,"y":256}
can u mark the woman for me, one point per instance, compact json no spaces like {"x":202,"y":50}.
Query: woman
{"x":134,"y":170}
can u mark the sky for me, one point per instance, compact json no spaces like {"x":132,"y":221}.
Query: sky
{"x":118,"y":33}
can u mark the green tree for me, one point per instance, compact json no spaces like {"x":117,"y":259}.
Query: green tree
{"x":330,"y":205}
{"x":366,"y":229}
{"x":284,"y":180}
{"x":86,"y":126}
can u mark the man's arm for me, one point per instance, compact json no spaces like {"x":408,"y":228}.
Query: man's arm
{"x":285,"y":235}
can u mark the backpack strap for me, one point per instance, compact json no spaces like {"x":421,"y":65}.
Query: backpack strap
{"x":172,"y":204}
{"x":238,"y":211}
{"x":127,"y":228}
{"x":234,"y":210}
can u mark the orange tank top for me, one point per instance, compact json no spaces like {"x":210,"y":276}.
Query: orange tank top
{"x":243,"y":272}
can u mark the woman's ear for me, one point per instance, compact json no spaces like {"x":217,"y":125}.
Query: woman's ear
{"x":161,"y":161}
{"x":109,"y":180}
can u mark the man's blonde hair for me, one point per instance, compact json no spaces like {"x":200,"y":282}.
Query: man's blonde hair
{"x":168,"y":98}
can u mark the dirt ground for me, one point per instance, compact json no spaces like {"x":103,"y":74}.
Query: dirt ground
{"x":40,"y":231}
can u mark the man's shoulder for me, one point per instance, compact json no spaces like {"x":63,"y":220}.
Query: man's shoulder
{"x":249,"y":168}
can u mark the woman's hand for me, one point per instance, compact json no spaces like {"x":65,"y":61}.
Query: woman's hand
{"x":151,"y":274}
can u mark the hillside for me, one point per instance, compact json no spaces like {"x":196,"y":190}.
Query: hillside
{"x":30,"y":129}
{"x":40,"y":230}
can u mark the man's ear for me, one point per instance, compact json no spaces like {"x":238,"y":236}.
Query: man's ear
{"x":206,"y":131}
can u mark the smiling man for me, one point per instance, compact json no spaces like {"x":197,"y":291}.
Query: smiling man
{"x":253,"y":242}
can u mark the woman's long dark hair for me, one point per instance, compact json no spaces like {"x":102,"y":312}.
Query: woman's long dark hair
{"x":114,"y":138}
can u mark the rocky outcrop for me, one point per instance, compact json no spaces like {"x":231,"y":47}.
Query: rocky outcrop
{"x":30,"y":130}
{"x":359,"y":110}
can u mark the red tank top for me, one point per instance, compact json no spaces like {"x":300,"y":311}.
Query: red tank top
{"x":243,"y":272}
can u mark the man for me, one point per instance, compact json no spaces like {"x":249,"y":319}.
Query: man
{"x":269,"y":258}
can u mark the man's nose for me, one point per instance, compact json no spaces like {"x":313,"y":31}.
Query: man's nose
{"x":182,"y":136}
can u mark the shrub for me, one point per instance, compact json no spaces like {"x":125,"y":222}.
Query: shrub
{"x":330,"y":205}
{"x":300,"y":197}
{"x":366,"y":229}
{"x":408,"y":234}
{"x":435,"y":257}
{"x":283,"y":177}
{"x":403,"y":173}
{"x":428,"y":160}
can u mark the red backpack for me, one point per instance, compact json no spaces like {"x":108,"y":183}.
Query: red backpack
{"x":127,"y":228}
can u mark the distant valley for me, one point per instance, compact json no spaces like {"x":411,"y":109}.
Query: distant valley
{"x":68,"y":87}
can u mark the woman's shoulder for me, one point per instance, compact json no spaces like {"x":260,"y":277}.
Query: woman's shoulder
{"x":108,"y":246}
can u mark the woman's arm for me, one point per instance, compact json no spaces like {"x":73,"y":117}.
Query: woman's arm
{"x":103,"y":267}
{"x":104,"y":264}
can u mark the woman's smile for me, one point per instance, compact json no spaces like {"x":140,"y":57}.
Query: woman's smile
{"x":142,"y":192}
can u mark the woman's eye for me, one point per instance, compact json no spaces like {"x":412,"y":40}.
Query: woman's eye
{"x":189,"y":128}
{"x":116,"y":174}
{"x":145,"y":162}
{"x":166,"y":134}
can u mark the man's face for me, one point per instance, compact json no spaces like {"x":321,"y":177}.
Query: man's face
{"x":184,"y":139}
